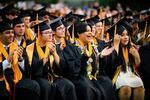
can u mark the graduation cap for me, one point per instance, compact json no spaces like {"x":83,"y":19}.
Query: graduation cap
{"x":52,"y":17}
{"x":95,"y":19}
{"x":56,"y":23}
{"x":4,"y":26}
{"x":9,"y":9}
{"x":106,"y":21}
{"x":44,"y":12}
{"x":37,"y":12}
{"x":119,"y":27}
{"x":25,"y":13}
{"x":17,"y":21}
{"x":42,"y":26}
{"x":142,"y":24}
{"x":79,"y":16}
{"x":71,"y":18}
{"x":89,"y":22}
{"x":68,"y":16}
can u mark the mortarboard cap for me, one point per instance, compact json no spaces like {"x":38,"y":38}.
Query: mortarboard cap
{"x":25,"y":13}
{"x":4,"y":26}
{"x":95,"y":19}
{"x":55,"y":23}
{"x":42,"y":26}
{"x":52,"y":17}
{"x":106,"y":21}
{"x":79,"y":16}
{"x":9,"y":9}
{"x":34,"y":14}
{"x":17,"y":21}
{"x":143,"y":23}
{"x":120,"y":26}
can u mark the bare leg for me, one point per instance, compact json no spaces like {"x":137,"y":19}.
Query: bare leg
{"x":138,"y":93}
{"x":125,"y":93}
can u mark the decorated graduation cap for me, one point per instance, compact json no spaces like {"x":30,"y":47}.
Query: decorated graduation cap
{"x":17,"y":21}
{"x":4,"y":26}
{"x":56,"y":23}
{"x":119,"y":27}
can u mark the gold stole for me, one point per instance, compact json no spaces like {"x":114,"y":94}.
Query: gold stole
{"x":24,"y":43}
{"x":89,"y":67}
{"x":41,"y":54}
{"x":16,"y":70}
{"x":126,"y":56}
{"x":63,"y":44}
{"x":40,"y":51}
{"x":29,"y":34}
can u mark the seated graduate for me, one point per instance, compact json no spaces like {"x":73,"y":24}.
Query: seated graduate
{"x":76,"y":66}
{"x":64,"y":85}
{"x":19,"y":30}
{"x":101,"y":51}
{"x":6,"y":37}
{"x":121,"y":67}
{"x":12,"y":64}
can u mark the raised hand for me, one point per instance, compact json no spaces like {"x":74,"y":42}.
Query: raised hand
{"x":52,"y":47}
{"x":106,"y":51}
{"x":20,"y":52}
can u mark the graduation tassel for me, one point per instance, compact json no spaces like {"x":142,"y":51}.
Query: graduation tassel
{"x":72,"y":38}
{"x":102,"y":34}
{"x":37,"y":22}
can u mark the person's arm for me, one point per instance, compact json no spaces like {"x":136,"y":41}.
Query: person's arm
{"x":136,"y":56}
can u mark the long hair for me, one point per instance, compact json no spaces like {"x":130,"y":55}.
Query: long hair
{"x":131,"y":62}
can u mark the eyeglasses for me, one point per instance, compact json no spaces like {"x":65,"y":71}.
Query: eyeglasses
{"x":48,"y":32}
{"x":9,"y":31}
{"x":60,"y":28}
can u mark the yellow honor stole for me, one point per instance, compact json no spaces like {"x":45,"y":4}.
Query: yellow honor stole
{"x":16,"y":70}
{"x":29,"y":34}
{"x":125,"y":55}
{"x":40,"y":51}
{"x":24,"y":43}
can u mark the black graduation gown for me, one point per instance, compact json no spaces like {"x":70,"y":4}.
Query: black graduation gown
{"x":4,"y":94}
{"x":39,"y":72}
{"x":9,"y":75}
{"x":102,"y":78}
{"x":64,"y":86}
{"x":144,"y":68}
{"x":72,"y":70}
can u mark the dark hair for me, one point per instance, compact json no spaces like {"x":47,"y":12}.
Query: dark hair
{"x":131,"y":59}
{"x":80,"y":28}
